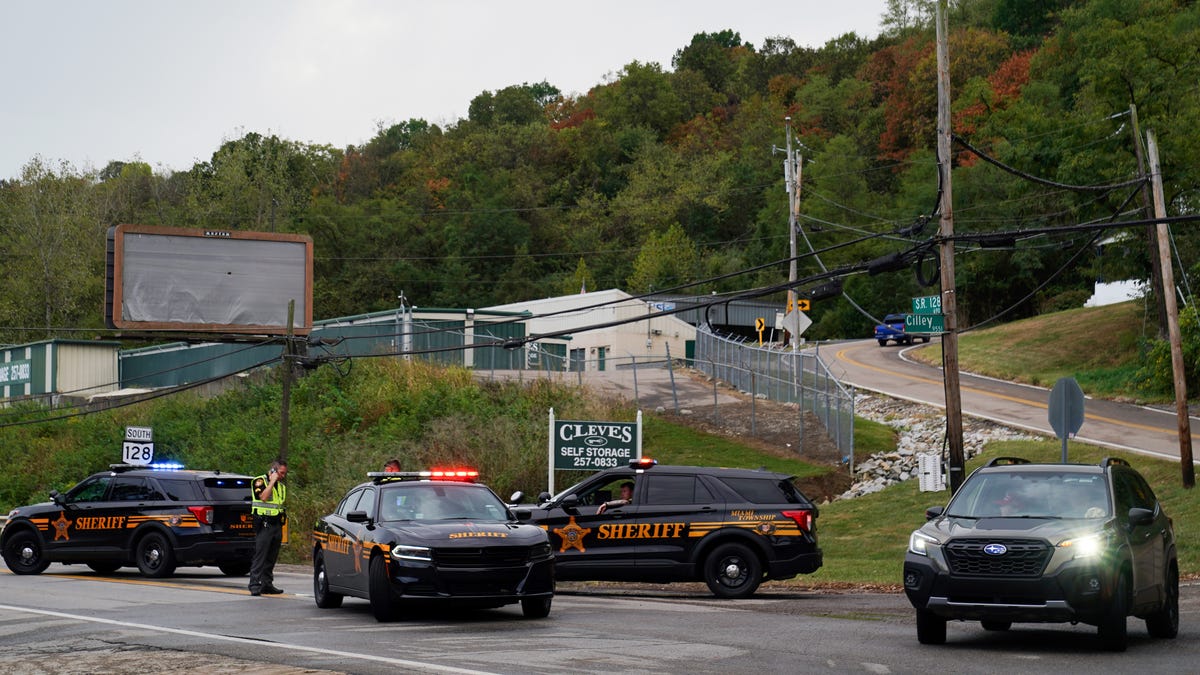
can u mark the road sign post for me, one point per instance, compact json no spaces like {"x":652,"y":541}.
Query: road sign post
{"x":1066,"y":410}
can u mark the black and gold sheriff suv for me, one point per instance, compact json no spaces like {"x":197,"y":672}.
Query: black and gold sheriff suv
{"x":155,"y":517}
{"x":731,"y":528}
{"x":403,"y":539}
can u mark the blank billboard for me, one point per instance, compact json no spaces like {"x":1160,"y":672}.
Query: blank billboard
{"x":211,"y":281}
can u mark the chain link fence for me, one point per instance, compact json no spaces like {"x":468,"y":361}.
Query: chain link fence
{"x":782,"y":375}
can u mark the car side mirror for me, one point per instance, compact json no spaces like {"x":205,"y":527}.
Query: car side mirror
{"x":934,"y":511}
{"x":571,"y":501}
{"x":1139,"y":517}
{"x":55,"y":497}
{"x":522,"y":514}
{"x":358,"y":517}
{"x":517,"y":497}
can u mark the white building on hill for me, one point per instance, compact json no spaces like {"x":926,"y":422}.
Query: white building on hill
{"x":607,"y":329}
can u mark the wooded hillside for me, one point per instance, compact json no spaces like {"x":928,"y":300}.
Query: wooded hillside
{"x":669,"y":175}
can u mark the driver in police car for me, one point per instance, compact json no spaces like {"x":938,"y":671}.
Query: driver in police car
{"x":625,"y":500}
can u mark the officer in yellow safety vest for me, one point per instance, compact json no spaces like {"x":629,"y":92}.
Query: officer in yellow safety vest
{"x":267,"y":494}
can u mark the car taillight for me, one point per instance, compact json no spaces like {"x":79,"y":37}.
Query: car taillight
{"x":203,"y":514}
{"x":803,"y":518}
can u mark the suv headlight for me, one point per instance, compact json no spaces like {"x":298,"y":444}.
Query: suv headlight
{"x":420,"y":553}
{"x":918,"y":542}
{"x":1088,"y":546}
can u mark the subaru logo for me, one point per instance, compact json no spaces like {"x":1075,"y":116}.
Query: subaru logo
{"x":995,"y":549}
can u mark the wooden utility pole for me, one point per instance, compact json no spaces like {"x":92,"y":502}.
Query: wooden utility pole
{"x":954,"y":430}
{"x":1172,"y":309}
{"x":285,"y":406}
{"x":1151,"y":240}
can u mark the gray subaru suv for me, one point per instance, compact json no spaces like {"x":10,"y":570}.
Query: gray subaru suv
{"x":1024,"y":542}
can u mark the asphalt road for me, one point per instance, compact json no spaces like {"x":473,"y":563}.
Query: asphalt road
{"x":1123,"y":426}
{"x":70,"y":620}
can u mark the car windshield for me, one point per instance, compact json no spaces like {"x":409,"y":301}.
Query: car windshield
{"x":439,"y":501}
{"x":1032,"y":494}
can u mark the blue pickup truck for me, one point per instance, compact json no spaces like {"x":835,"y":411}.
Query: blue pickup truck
{"x":892,"y":329}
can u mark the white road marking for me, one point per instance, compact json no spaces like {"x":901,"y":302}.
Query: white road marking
{"x":247,"y":641}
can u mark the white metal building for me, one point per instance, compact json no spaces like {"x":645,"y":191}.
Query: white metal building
{"x":596,"y":345}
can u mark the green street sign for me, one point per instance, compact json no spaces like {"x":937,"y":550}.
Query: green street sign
{"x":923,"y":324}
{"x":930,"y":304}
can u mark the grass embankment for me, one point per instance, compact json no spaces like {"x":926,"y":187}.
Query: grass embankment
{"x":1098,"y":346}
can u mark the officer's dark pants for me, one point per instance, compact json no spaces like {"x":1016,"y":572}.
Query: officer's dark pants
{"x":268,"y":535}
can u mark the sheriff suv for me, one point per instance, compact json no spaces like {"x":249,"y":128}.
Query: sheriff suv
{"x":155,"y":517}
{"x":731,"y":528}
{"x":1023,"y":542}
{"x":403,"y":539}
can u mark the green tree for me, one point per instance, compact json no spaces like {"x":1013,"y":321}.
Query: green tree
{"x":713,"y":55}
{"x":666,"y":260}
{"x":642,"y":96}
{"x":52,"y":241}
{"x":581,"y":281}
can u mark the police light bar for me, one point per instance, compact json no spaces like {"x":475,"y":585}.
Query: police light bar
{"x":156,"y":466}
{"x":462,"y":475}
{"x":642,"y":463}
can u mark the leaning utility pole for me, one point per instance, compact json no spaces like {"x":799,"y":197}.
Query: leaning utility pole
{"x":954,"y":431}
{"x":791,"y":174}
{"x":1168,"y":295}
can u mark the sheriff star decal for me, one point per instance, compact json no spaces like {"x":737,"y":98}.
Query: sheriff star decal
{"x":61,"y":526}
{"x":572,"y":536}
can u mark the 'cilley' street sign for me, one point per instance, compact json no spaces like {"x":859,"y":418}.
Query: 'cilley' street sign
{"x":924,"y":324}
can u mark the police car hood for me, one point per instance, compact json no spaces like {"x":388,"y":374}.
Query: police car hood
{"x":40,"y":507}
{"x":1050,"y":529}
{"x":466,"y":533}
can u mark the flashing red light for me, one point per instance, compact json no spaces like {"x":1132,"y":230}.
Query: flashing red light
{"x":642,"y":463}
{"x":466,"y":475}
{"x":803,"y":518}
{"x":203,"y":514}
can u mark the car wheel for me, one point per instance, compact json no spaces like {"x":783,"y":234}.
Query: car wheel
{"x":235,"y":569}
{"x":1165,"y":622}
{"x":883,"y":343}
{"x":931,"y":628}
{"x":732,"y":571}
{"x":1114,"y":636}
{"x":992,"y":624}
{"x":380,"y":591}
{"x":104,"y":567}
{"x":325,"y":599}
{"x":155,"y":558}
{"x":536,"y":608}
{"x":925,"y":339}
{"x":24,"y":555}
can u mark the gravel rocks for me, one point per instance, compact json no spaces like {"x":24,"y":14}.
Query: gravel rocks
{"x":922,"y":429}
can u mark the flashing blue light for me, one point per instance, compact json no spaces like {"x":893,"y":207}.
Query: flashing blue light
{"x":166,"y":466}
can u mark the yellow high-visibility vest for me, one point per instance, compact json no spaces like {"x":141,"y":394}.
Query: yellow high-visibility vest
{"x":274,"y":507}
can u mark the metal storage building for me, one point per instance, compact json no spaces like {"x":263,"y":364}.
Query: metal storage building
{"x":52,"y":369}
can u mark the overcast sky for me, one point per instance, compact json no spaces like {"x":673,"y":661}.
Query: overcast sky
{"x":167,"y":82}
